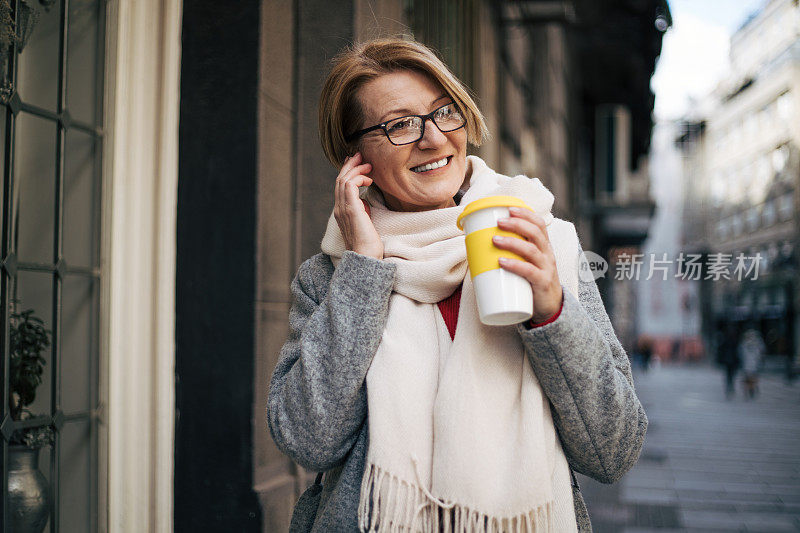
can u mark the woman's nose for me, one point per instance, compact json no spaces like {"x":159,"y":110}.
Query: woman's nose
{"x":433,"y":136}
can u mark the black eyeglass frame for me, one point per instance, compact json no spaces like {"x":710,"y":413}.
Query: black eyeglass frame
{"x":382,"y":126}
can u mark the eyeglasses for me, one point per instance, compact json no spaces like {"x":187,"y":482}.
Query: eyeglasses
{"x":411,"y":128}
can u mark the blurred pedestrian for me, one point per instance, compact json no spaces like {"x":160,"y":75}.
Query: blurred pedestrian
{"x":751,"y":352}
{"x":645,"y":351}
{"x":728,"y":357}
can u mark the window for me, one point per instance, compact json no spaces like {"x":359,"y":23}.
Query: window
{"x":764,"y":171}
{"x":737,"y":184}
{"x":769,"y":212}
{"x":736,"y":225}
{"x":718,"y":188}
{"x":765,"y":261}
{"x":722,"y":229}
{"x":51,"y":132}
{"x":784,"y":107}
{"x":779,"y":158}
{"x":786,"y":206}
{"x":746,"y":299}
{"x":752,"y":219}
{"x":772,"y":251}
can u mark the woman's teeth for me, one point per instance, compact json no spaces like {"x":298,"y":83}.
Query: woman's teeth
{"x":430,"y":166}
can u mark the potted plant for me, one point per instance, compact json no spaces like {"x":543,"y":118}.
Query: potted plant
{"x":14,"y":32}
{"x":27,"y":487}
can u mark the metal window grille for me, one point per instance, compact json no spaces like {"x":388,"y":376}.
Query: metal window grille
{"x":51,"y":91}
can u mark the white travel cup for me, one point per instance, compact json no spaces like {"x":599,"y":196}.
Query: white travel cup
{"x":504,"y":298}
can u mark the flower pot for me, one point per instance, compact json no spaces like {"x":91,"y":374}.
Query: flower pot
{"x":28,"y":495}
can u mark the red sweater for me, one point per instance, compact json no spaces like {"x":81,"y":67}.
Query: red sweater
{"x":449,"y":309}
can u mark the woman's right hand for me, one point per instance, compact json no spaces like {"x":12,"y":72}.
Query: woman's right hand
{"x":352,"y":213}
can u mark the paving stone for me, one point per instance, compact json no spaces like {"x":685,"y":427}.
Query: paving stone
{"x":708,"y":464}
{"x":645,"y":495}
{"x":633,"y":480}
{"x":710,"y":486}
{"x":708,"y":530}
{"x":793,"y":499}
{"x":650,"y":530}
{"x":699,"y":494}
{"x":769,"y":522}
{"x":656,"y":515}
{"x":700,"y":505}
{"x":714,"y":519}
{"x":767,"y":508}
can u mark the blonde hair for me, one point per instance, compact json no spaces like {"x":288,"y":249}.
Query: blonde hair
{"x":340,"y":112}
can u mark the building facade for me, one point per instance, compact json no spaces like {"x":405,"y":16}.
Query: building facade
{"x":742,"y":171}
{"x":163,"y":180}
{"x":89,"y":128}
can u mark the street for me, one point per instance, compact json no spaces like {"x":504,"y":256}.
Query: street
{"x":708,"y":464}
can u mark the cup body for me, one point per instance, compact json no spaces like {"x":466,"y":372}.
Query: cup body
{"x":504,"y":298}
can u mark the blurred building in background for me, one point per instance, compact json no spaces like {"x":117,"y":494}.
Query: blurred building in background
{"x":742,"y":181}
{"x":565,"y":89}
{"x":667,"y":314}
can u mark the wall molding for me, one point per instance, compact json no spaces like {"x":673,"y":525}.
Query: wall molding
{"x":140,"y":157}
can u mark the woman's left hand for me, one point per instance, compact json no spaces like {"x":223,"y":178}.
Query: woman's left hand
{"x":539,"y":267}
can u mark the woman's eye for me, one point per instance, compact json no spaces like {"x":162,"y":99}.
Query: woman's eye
{"x":400,"y":125}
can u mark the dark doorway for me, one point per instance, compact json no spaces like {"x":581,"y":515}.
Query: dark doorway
{"x":215,"y":268}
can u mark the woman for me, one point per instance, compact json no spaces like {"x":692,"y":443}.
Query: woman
{"x":423,"y":418}
{"x":751,"y":352}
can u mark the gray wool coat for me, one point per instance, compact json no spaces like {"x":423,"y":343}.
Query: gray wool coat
{"x":317,"y":404}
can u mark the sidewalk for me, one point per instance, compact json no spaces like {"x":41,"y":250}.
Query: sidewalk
{"x":708,"y":464}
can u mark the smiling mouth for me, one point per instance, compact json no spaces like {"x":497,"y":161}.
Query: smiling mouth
{"x":432,"y":166}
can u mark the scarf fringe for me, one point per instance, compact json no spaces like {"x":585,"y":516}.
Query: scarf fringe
{"x":389,"y":504}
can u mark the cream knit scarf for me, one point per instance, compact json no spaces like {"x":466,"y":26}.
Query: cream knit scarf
{"x":460,"y":433}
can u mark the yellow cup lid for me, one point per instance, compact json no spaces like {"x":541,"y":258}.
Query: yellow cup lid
{"x":491,"y":201}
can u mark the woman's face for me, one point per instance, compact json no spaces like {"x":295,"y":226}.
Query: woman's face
{"x":395,"y":169}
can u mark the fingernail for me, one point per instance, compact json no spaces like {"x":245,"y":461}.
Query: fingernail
{"x":498,"y":239}
{"x":503,"y":260}
{"x":503,"y":220}
{"x":513,"y":210}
